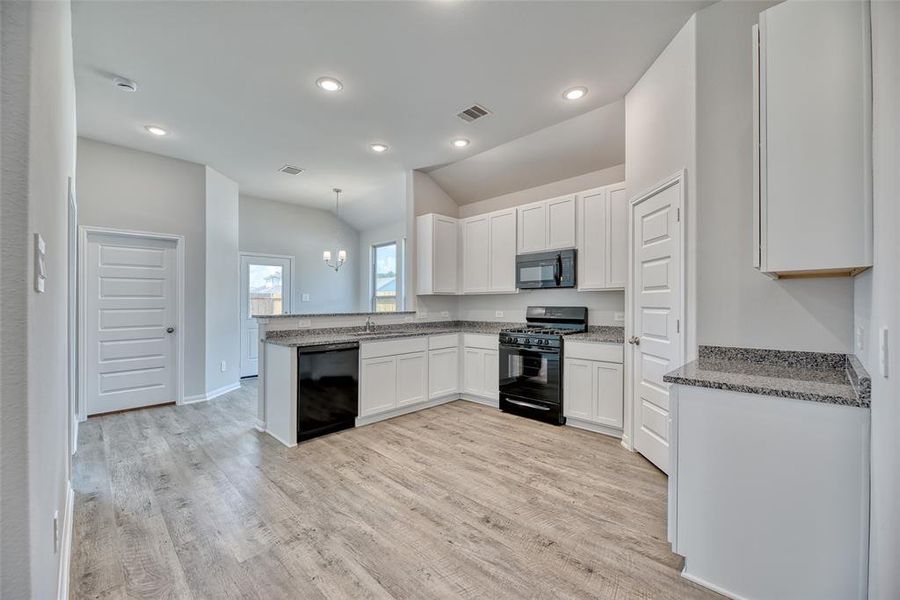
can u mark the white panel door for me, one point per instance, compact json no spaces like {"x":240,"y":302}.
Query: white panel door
{"x":561,"y":223}
{"x":578,"y":388}
{"x":473,"y":371}
{"x":609,"y":402}
{"x":412,"y":378}
{"x":503,"y":251}
{"x":592,"y":240}
{"x":265,"y":290}
{"x":616,"y":236}
{"x":378,"y":385}
{"x":446,"y":244}
{"x":532,"y":227}
{"x":476,"y":235}
{"x":656,"y":296}
{"x":443,"y":372}
{"x":130,"y":318}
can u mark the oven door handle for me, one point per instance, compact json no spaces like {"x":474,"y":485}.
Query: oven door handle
{"x":534,"y":349}
{"x":526,"y":404}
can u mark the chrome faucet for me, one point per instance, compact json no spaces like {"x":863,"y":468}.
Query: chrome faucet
{"x":370,"y":326}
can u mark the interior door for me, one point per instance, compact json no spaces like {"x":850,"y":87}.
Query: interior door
{"x":656,"y":295}
{"x":130,"y":317}
{"x":265,"y":290}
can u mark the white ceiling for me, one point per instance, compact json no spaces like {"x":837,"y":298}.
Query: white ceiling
{"x":235,"y":83}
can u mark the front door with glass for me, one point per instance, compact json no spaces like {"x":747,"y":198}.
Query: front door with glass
{"x":265,"y":290}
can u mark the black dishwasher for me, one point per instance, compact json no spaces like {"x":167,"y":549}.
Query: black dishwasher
{"x":327,"y":389}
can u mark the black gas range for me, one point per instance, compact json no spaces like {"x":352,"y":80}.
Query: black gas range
{"x":531,"y":362}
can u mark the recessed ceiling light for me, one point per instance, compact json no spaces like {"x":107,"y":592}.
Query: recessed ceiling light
{"x":125,"y":85}
{"x":155,"y":130}
{"x":329,"y":84}
{"x":460,"y":143}
{"x":379,"y":147}
{"x":575,"y":93}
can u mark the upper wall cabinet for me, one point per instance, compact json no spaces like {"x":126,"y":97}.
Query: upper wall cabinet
{"x":812,"y":139}
{"x":437,"y":243}
{"x":602,"y":238}
{"x":546,"y":225}
{"x":489,"y":252}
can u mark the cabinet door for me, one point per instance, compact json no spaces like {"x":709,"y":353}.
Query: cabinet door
{"x":473,"y":371}
{"x":592,"y":242}
{"x":616,"y":236}
{"x":503,"y":251}
{"x":609,"y":394}
{"x":532,"y":227}
{"x":446,"y":236}
{"x":491,"y":382}
{"x":412,"y":378}
{"x":561,"y":223}
{"x":476,"y":235}
{"x":578,"y":389}
{"x":378,"y":385}
{"x":443,"y":372}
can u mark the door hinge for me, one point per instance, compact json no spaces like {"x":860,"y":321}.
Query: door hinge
{"x":678,"y":215}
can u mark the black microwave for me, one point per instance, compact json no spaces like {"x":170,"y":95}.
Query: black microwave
{"x":546,"y":270}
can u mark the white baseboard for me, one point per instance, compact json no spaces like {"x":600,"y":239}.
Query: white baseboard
{"x":65,"y":546}
{"x":211,"y":394}
{"x":260,"y":425}
{"x":703,"y":583}
{"x":404,"y":410}
{"x":594,"y":427}
{"x":626,"y":442}
{"x":480,"y":400}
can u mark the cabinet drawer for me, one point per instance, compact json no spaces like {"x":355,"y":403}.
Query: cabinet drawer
{"x":481,"y":340}
{"x":393,"y":347}
{"x":448,"y":340}
{"x":594,"y":351}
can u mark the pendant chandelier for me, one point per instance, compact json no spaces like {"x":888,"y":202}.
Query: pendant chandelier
{"x":341,"y":254}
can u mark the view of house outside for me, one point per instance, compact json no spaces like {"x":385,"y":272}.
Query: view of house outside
{"x":385,"y":278}
{"x":265,"y":290}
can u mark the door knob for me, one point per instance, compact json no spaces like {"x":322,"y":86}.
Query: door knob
{"x":634,"y":340}
{"x":170,"y":330}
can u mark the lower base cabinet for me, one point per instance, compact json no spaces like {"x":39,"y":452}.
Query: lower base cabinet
{"x":443,"y":372}
{"x":481,"y":371}
{"x":393,"y":374}
{"x":378,"y":385}
{"x":594,"y":385}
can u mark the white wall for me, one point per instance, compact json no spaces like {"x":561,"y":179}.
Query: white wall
{"x":877,"y":306}
{"x":562,"y":187}
{"x":129,"y":189}
{"x":223,"y":332}
{"x":37,"y":124}
{"x":660,"y":138}
{"x":428,"y":197}
{"x":737,"y":305}
{"x":391,"y":232}
{"x":270,"y":227}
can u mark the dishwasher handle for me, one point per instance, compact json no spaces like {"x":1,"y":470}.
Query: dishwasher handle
{"x":339,"y":347}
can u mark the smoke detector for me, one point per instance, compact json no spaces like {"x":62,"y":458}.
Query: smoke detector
{"x":290,"y":170}
{"x":125,"y":85}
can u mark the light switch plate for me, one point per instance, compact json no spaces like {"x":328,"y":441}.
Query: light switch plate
{"x":860,"y":336}
{"x":304,"y":298}
{"x":619,"y":316}
{"x":223,"y":367}
{"x":498,"y":314}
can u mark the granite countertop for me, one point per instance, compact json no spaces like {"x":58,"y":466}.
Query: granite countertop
{"x":813,"y":376}
{"x":343,"y":314}
{"x":339,"y":335}
{"x":606,"y":334}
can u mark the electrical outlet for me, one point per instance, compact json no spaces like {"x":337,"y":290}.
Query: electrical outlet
{"x":55,"y":531}
{"x":445,"y":313}
{"x":304,"y":323}
{"x":223,"y":367}
{"x":498,"y":314}
{"x":619,"y":316}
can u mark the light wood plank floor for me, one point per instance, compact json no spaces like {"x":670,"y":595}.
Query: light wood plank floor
{"x":459,"y":501}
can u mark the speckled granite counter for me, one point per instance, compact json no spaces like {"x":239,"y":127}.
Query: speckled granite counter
{"x":341,"y":335}
{"x":606,"y":334}
{"x":813,"y":376}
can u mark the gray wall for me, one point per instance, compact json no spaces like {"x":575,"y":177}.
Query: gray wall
{"x":37,"y":154}
{"x":392,"y":232}
{"x":223,"y":332}
{"x":428,"y":197}
{"x":270,"y":227}
{"x":128,"y":189}
{"x":737,"y":305}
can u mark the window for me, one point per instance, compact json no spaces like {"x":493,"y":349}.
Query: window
{"x":265,"y":290}
{"x":384,"y":277}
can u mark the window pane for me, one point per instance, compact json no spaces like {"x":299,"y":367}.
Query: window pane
{"x":265,"y":290}
{"x":385,"y":278}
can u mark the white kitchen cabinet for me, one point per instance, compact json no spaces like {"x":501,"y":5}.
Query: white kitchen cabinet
{"x":437,"y":244}
{"x":481,"y":366}
{"x":473,"y":371}
{"x":412,"y":378}
{"x":546,"y":225}
{"x":489,"y":253}
{"x":594,"y":386}
{"x":443,"y":372}
{"x":378,"y":385}
{"x":812,"y":139}
{"x":602,"y":238}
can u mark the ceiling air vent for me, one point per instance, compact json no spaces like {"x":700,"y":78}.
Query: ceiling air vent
{"x":291,"y":170}
{"x":475,"y":111}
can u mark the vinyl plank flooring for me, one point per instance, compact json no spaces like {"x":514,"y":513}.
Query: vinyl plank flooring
{"x":457,"y":501}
